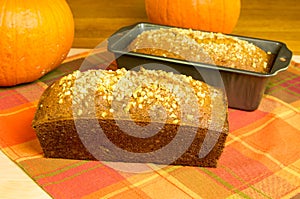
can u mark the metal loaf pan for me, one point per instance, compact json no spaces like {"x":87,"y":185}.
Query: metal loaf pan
{"x":244,"y":89}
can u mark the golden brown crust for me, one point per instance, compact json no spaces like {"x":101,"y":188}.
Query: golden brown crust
{"x":204,"y":47}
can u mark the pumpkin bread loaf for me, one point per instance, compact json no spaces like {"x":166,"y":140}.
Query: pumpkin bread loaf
{"x":145,"y":116}
{"x":199,"y":46}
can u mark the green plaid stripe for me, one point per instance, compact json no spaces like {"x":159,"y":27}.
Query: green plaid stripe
{"x":284,"y":86}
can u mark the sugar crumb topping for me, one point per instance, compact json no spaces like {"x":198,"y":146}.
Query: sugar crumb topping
{"x":121,"y":92}
{"x":200,"y":46}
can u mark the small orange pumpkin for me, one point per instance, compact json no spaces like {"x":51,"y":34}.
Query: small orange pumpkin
{"x":35,"y":37}
{"x":207,"y":15}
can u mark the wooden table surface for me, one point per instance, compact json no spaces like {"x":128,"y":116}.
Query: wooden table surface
{"x":96,"y":20}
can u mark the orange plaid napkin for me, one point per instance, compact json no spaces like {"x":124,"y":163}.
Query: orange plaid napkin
{"x":261,"y":158}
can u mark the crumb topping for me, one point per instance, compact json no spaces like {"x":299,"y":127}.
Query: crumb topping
{"x":199,"y":46}
{"x":140,"y":94}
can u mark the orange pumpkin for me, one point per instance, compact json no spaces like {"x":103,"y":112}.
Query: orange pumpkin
{"x":208,"y":15}
{"x":35,"y":37}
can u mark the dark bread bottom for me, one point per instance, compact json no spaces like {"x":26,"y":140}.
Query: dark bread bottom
{"x":82,"y":139}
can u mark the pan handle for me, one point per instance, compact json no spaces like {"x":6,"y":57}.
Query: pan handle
{"x":282,"y":60}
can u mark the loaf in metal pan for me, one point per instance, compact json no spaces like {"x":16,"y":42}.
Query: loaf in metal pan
{"x":204,"y":47}
{"x":145,"y":116}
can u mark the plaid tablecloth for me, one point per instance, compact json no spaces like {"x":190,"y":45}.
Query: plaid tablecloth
{"x":261,"y":158}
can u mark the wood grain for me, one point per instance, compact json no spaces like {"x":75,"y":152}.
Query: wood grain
{"x":96,"y":20}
